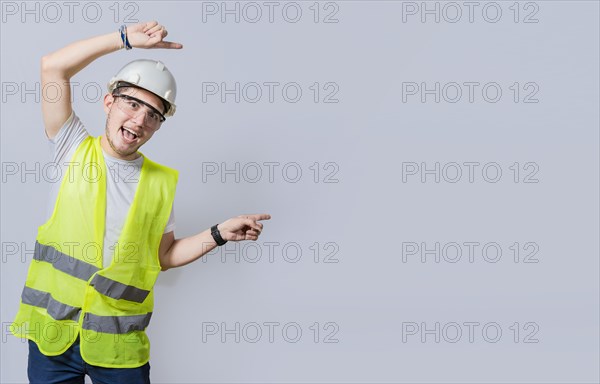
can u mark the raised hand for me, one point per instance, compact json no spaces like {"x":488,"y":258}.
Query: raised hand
{"x":243,"y":227}
{"x":149,"y":35}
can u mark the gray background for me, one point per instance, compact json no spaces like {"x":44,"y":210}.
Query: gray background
{"x":369,"y":212}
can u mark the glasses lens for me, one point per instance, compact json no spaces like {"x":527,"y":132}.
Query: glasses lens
{"x":132,"y":106}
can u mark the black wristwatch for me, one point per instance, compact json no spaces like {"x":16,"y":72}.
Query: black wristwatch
{"x":214,"y":231}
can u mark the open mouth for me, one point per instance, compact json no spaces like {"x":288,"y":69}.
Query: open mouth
{"x":127,"y":135}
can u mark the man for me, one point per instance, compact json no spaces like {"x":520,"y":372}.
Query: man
{"x":89,"y":291}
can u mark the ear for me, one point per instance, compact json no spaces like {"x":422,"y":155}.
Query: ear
{"x":108,"y":102}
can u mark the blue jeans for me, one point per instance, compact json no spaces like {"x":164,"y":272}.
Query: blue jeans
{"x":69,"y":368}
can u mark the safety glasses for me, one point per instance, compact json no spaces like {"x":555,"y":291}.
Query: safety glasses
{"x":132,"y":106}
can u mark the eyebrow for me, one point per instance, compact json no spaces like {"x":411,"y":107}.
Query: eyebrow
{"x":141,"y":102}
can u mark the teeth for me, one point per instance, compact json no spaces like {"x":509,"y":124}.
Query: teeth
{"x":133,"y":133}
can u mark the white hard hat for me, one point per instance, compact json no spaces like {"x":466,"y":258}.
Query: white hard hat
{"x":150,"y":75}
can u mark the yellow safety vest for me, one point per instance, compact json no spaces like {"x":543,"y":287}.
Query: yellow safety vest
{"x":68,"y":292}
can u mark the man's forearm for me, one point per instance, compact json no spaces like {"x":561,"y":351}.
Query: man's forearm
{"x":184,"y":251}
{"x":74,"y":57}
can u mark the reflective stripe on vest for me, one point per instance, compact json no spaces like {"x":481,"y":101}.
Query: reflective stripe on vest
{"x":64,"y":263}
{"x":116,"y":290}
{"x":82,"y":270}
{"x":56,"y":309}
{"x":116,"y":324}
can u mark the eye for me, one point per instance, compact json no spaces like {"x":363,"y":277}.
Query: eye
{"x":153,"y":116}
{"x":133,"y":104}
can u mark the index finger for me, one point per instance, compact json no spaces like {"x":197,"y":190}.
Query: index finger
{"x":260,"y":216}
{"x":168,"y":45}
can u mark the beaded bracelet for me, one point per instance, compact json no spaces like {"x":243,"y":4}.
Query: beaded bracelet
{"x":123,"y":32}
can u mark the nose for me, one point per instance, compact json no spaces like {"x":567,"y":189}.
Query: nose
{"x":139,"y":118}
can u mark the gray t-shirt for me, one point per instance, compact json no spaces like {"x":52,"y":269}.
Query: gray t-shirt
{"x":121,"y":182}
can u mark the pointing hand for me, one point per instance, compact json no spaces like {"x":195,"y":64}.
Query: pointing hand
{"x":149,"y":35}
{"x":243,"y":227}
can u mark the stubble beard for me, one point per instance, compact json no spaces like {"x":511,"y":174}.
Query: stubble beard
{"x":112,"y":145}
